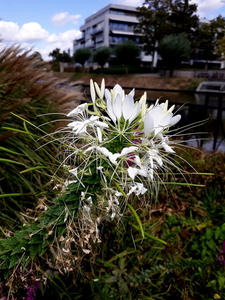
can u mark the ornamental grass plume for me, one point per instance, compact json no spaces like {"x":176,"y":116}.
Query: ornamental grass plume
{"x":115,"y":150}
{"x":28,"y":90}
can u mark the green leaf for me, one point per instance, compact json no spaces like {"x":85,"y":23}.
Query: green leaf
{"x":150,"y":236}
{"x":138,"y":219}
{"x":10,"y":151}
{"x":10,"y":161}
{"x":181,"y":183}
{"x":209,"y":233}
{"x":212,"y":283}
{"x":210,"y":244}
{"x":112,"y":279}
{"x":33,"y":169}
{"x":36,"y":239}
{"x":13,"y":261}
{"x":19,"y":131}
{"x":221,"y":281}
{"x":34,"y":249}
{"x":11,"y":195}
{"x":217,"y":233}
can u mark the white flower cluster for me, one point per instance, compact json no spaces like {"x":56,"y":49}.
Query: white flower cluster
{"x":127,"y":140}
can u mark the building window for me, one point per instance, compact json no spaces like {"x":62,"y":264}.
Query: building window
{"x":122,"y":12}
{"x":121,"y":39}
{"x":89,"y":30}
{"x":117,"y":25}
{"x":97,"y":27}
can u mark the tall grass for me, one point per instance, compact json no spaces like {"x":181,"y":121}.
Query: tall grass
{"x":26,"y":92}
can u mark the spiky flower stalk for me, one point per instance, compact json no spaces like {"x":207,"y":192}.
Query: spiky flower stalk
{"x":116,"y":150}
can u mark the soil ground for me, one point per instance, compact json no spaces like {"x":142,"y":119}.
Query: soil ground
{"x":132,"y":81}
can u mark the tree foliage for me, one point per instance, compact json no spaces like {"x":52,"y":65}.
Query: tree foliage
{"x":81,"y":56}
{"x":101,"y":56}
{"x":153,"y":24}
{"x":126,"y":53}
{"x":159,"y":18}
{"x":183,"y":17}
{"x":57,"y":56}
{"x":173,"y":49}
{"x":208,"y":40}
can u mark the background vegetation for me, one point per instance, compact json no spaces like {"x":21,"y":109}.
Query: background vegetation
{"x":190,"y":220}
{"x":190,"y":266}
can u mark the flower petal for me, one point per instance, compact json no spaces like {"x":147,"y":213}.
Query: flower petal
{"x":135,"y":112}
{"x":117,"y":106}
{"x":128,"y":150}
{"x":118,"y":90}
{"x":77,"y":110}
{"x":128,"y":106}
{"x":110,"y":110}
{"x":148,"y":124}
{"x":92,"y":90}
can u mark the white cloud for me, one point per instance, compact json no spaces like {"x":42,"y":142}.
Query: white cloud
{"x":63,"y":41}
{"x":207,"y":8}
{"x":29,"y":32}
{"x":131,"y":2}
{"x":134,"y":2}
{"x":61,"y":19}
{"x":8,"y":30}
{"x":32,"y":35}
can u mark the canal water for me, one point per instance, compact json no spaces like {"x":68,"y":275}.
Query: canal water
{"x":194,"y":108}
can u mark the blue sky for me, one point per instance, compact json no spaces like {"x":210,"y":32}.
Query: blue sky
{"x":48,"y":24}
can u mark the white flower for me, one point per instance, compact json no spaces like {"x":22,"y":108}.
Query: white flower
{"x":92,"y":90}
{"x":138,"y":188}
{"x":142,"y":170}
{"x":78,"y":110}
{"x":113,"y":156}
{"x":119,"y":105}
{"x":100,"y":92}
{"x":165,"y":143}
{"x":145,"y":167}
{"x":159,"y":118}
{"x":81,"y":126}
{"x":143,"y":104}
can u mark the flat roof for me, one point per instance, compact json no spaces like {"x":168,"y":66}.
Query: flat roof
{"x":116,"y":6}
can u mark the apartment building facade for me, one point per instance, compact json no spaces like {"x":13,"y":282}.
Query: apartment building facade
{"x":109,"y":26}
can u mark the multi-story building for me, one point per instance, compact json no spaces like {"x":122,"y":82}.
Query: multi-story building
{"x":109,"y":26}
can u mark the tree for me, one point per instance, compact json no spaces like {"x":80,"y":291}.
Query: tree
{"x":159,"y":18}
{"x":205,"y":44}
{"x":65,"y":57}
{"x":183,"y":18}
{"x":126,"y":53}
{"x":173,"y":49}
{"x":81,"y":56}
{"x":57,"y":56}
{"x":208,"y":38}
{"x":101,"y":56}
{"x":220,"y":49}
{"x":153,"y":24}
